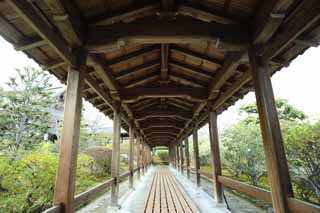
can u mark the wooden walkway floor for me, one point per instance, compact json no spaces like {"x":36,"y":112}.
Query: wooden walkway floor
{"x":166,"y":195}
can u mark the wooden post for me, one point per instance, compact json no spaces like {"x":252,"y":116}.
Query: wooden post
{"x":131,"y":140}
{"x":67,"y":164}
{"x":276,"y":161}
{"x":115,"y":164}
{"x":178,"y":156}
{"x":181,"y":156}
{"x":186,"y":149}
{"x":142,"y":157}
{"x":215,"y":156}
{"x":196,"y":153}
{"x":138,"y":155}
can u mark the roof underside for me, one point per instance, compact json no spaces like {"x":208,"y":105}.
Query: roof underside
{"x":167,"y":61}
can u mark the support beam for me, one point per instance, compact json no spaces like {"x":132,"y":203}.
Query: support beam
{"x":196,"y":153}
{"x":29,"y":44}
{"x":191,"y":69}
{"x":115,"y":164}
{"x":159,"y":124}
{"x":31,"y":17}
{"x":181,"y":156}
{"x":186,"y":149}
{"x":131,"y":141}
{"x":67,"y":164}
{"x":152,"y":31}
{"x":276,"y":161}
{"x":143,"y":156}
{"x":159,"y":113}
{"x":141,"y":81}
{"x":135,"y":9}
{"x":138,"y":158}
{"x":138,"y":69}
{"x":164,"y":61}
{"x":133,"y":95}
{"x":215,"y":156}
{"x":178,"y":156}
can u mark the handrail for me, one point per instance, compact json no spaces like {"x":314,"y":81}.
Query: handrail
{"x":91,"y":193}
{"x":53,"y":209}
{"x":252,"y":191}
{"x":295,"y":205}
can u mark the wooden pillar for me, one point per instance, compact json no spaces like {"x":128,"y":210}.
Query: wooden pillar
{"x":196,"y":153}
{"x":115,"y":164}
{"x":67,"y":164}
{"x":138,"y":155}
{"x":276,"y":161}
{"x":181,"y":156}
{"x":142,"y":157}
{"x":215,"y":157}
{"x":131,"y":140}
{"x":178,"y":156}
{"x":186,"y":149}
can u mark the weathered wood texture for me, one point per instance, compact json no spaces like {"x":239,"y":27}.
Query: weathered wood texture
{"x":67,"y":164}
{"x":215,"y":156}
{"x":131,"y":157}
{"x":278,"y":172}
{"x":187,"y":156}
{"x":115,"y":163}
{"x":196,"y":153}
{"x":166,"y":195}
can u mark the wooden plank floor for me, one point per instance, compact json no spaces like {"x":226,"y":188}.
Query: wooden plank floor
{"x":165,"y":195}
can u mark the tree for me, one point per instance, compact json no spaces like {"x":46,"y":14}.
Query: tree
{"x":303,"y":148}
{"x":243,"y":150}
{"x":24,"y":116}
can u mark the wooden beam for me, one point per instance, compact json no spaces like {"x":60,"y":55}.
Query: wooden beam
{"x":186,"y":149}
{"x":215,"y":156}
{"x":192,"y":70}
{"x":177,"y":105}
{"x":135,"y":9}
{"x":31,"y":17}
{"x":131,"y":161}
{"x":137,"y":69}
{"x":68,"y":19}
{"x":160,"y":124}
{"x":196,"y":55}
{"x":177,"y":156}
{"x":132,"y":95}
{"x":138,"y":157}
{"x":29,"y":43}
{"x":164,"y":61}
{"x":152,"y":31}
{"x":133,"y":55}
{"x":103,"y":95}
{"x":276,"y":161}
{"x":115,"y":163}
{"x":184,"y":81}
{"x":210,"y":14}
{"x":196,"y":153}
{"x":146,"y":79}
{"x":181,"y":156}
{"x":54,"y":64}
{"x":268,"y":19}
{"x":67,"y":164}
{"x":162,"y":129}
{"x":307,"y":13}
{"x":162,"y":114}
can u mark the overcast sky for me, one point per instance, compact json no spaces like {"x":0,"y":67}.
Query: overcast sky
{"x":299,"y":84}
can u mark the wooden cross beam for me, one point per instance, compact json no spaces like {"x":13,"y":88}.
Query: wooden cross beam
{"x":192,"y":70}
{"x":137,"y":69}
{"x":148,"y":125}
{"x":162,"y":129}
{"x":132,"y":95}
{"x":180,"y":30}
{"x":164,"y":61}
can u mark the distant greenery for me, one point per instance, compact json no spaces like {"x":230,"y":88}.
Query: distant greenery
{"x":161,"y":157}
{"x":28,"y":163}
{"x":243,"y":155}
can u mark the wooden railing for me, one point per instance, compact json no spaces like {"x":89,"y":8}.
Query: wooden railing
{"x":90,"y":194}
{"x":295,"y":205}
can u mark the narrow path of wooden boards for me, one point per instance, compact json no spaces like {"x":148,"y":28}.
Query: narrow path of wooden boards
{"x":166,"y":195}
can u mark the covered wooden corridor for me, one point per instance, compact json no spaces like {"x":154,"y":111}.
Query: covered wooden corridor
{"x":162,"y":69}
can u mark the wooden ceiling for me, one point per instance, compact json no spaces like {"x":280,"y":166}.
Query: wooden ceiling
{"x":167,"y":61}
